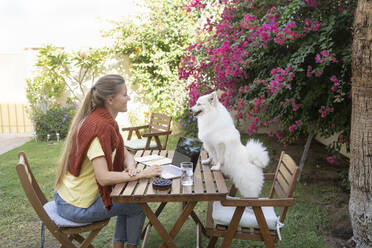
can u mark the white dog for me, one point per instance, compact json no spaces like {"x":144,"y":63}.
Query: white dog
{"x":222,"y":142}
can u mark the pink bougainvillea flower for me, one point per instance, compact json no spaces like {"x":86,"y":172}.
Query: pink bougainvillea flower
{"x":312,"y":3}
{"x":308,"y":72}
{"x":335,"y":80}
{"x":316,"y":25}
{"x":318,"y":59}
{"x":279,"y":41}
{"x":251,"y":128}
{"x":329,"y":109}
{"x":292,"y":128}
{"x":291,"y":76}
{"x":279,"y":135}
{"x":239,"y":115}
{"x":325,"y":53}
{"x":295,"y":106}
{"x":332,"y":160}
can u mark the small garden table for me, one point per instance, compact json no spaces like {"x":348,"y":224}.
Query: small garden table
{"x":208,"y":186}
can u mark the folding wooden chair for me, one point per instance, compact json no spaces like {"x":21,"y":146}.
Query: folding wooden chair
{"x":254,"y":218}
{"x":63,"y":230}
{"x":159,"y":126}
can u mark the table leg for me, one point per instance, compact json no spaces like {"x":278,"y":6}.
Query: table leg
{"x":157,"y":213}
{"x":198,"y":222}
{"x":232,"y":227}
{"x":198,"y":236}
{"x":147,"y":229}
{"x":145,"y":235}
{"x":181,"y":219}
{"x":168,"y":240}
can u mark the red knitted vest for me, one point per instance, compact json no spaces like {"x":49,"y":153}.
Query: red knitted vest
{"x":98,"y":124}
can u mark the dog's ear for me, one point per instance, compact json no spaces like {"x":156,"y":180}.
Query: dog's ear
{"x":213,"y":98}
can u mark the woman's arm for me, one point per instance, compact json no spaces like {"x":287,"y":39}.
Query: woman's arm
{"x":105,"y":177}
{"x":129,"y":163}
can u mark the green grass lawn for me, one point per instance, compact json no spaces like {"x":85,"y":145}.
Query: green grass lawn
{"x":20,"y":226}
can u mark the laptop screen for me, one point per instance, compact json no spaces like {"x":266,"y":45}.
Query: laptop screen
{"x":187,"y":150}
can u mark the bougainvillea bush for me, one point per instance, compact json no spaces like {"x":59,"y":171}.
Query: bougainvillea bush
{"x":282,"y":64}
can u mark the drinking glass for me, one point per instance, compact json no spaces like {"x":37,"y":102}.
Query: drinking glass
{"x":187,"y":174}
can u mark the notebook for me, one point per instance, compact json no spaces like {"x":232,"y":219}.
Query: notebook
{"x":187,"y":150}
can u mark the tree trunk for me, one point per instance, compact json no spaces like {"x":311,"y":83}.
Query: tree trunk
{"x":360,"y":174}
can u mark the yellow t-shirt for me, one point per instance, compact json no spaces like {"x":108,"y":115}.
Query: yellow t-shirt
{"x":82,"y":191}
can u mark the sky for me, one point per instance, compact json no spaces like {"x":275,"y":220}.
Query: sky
{"x":73,"y":24}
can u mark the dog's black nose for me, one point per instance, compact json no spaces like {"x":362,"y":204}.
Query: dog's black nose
{"x":190,"y":110}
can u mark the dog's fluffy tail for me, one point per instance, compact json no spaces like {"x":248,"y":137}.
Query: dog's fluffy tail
{"x":257,"y":153}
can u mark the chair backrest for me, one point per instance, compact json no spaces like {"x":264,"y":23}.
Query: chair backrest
{"x":159,"y":123}
{"x":285,"y":179}
{"x":33,"y":191}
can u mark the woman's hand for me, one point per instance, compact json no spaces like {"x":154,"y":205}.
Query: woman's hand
{"x":152,"y":171}
{"x":133,"y":171}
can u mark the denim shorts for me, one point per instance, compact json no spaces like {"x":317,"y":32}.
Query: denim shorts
{"x":129,"y":221}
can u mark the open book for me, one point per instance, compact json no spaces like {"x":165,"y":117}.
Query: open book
{"x":153,"y":159}
{"x":169,"y":171}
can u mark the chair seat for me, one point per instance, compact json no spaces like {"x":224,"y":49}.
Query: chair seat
{"x":139,"y":144}
{"x":51,"y":209}
{"x":222,"y":215}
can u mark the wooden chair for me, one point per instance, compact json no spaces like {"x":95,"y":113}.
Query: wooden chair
{"x":63,"y":230}
{"x":254,"y":218}
{"x":159,"y":126}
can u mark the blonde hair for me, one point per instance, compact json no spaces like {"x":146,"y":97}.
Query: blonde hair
{"x":106,"y":87}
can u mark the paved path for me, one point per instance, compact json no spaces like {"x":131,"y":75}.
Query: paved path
{"x":11,"y":141}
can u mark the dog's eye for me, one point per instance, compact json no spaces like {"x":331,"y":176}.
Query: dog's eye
{"x":198,"y":104}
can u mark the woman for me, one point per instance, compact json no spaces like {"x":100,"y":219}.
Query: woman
{"x":94,"y":159}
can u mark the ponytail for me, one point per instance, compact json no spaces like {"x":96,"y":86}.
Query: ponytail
{"x":84,"y":110}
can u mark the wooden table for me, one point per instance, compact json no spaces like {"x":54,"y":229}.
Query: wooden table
{"x":208,"y":186}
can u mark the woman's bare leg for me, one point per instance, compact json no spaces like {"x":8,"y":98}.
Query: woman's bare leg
{"x":118,"y":245}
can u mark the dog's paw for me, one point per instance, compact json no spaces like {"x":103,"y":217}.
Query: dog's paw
{"x":216,"y":167}
{"x":206,"y":161}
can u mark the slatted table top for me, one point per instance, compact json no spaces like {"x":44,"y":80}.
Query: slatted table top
{"x":208,"y":186}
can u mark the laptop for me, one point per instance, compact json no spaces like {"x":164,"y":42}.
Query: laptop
{"x":187,"y":150}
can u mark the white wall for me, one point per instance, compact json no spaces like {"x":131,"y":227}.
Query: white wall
{"x":14,"y":69}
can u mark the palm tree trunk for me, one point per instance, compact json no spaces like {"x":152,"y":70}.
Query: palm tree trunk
{"x":360,"y":174}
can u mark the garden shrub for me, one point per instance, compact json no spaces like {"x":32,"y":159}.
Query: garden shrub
{"x":154,"y":43}
{"x":55,"y":120}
